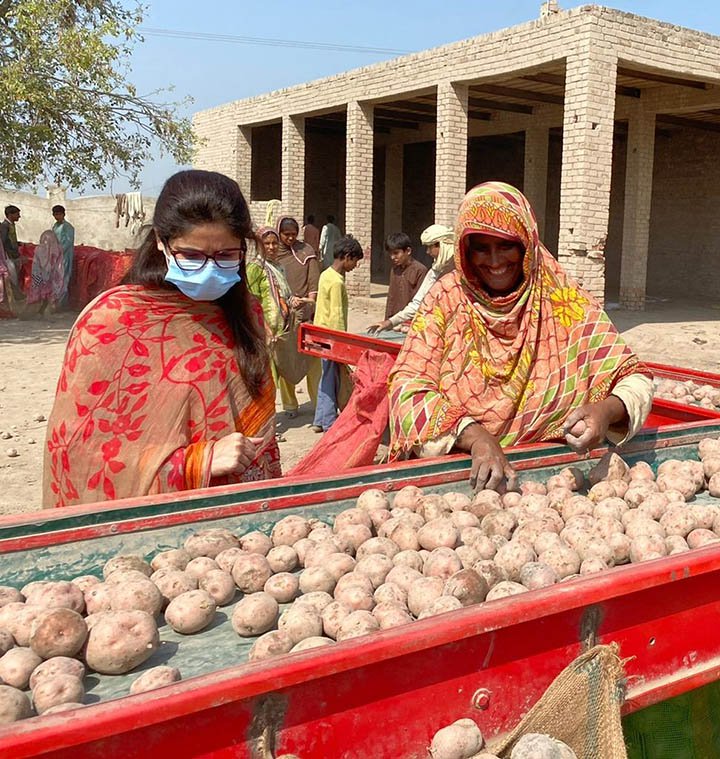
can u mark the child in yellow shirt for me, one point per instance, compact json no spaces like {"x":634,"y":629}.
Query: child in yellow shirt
{"x":331,"y":310}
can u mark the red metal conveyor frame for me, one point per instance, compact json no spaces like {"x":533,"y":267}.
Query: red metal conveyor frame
{"x":362,"y":698}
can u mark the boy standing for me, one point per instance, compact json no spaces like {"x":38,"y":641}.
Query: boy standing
{"x":65,"y":233}
{"x":331,"y":310}
{"x":406,"y":276}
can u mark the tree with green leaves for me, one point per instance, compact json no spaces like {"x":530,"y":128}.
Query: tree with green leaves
{"x":68,"y":113}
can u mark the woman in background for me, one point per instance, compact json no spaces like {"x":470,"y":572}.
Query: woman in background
{"x":47,"y":284}
{"x":300,"y":265}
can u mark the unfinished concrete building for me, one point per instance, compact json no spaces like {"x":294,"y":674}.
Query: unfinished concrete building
{"x":609,"y":122}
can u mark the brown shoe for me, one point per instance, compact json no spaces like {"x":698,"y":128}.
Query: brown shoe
{"x":316,"y":428}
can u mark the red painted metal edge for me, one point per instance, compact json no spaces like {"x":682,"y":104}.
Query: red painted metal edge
{"x":683,"y":374}
{"x":323,"y":492}
{"x":252,"y":680}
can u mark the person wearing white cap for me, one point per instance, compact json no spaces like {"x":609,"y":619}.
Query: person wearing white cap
{"x":440,"y":243}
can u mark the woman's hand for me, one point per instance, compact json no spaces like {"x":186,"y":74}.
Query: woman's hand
{"x":490,"y":466}
{"x":587,"y":426}
{"x":233,"y":454}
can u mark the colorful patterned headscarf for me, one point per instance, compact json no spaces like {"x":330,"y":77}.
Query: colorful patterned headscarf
{"x":518,"y":364}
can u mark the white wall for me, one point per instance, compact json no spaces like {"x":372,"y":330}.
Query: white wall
{"x":93,"y":218}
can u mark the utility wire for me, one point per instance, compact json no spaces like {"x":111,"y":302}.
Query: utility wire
{"x":269,"y":42}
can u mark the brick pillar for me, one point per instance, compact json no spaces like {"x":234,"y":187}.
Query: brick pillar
{"x":536,"y":171}
{"x":451,"y":151}
{"x":394,"y":156}
{"x":638,"y":197}
{"x":293,"y":167}
{"x":588,"y":124}
{"x":243,"y":157}
{"x":358,"y":192}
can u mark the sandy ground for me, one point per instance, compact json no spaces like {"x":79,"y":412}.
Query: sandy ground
{"x":31,"y":354}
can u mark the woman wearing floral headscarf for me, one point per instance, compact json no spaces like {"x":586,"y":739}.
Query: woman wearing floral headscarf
{"x":507,"y":349}
{"x":267,"y":282}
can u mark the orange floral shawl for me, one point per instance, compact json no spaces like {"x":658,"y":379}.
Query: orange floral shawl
{"x":150,"y":379}
{"x":517,"y":364}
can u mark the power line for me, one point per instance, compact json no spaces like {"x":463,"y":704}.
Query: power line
{"x":269,"y":42}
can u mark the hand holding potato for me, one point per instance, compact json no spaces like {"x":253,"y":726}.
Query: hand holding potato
{"x":490,"y":466}
{"x":586,"y":427}
{"x":234,"y":453}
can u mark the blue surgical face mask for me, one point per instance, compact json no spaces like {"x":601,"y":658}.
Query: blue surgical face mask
{"x":209,"y":283}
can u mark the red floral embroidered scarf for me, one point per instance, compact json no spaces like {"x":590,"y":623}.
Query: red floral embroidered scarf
{"x":150,"y":379}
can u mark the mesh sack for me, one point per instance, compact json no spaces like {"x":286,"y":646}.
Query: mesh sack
{"x":684,"y":727}
{"x":581,"y":707}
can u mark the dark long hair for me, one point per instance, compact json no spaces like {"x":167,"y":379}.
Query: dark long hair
{"x":190,"y":198}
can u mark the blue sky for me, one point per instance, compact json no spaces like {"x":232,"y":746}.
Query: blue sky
{"x":213,"y":73}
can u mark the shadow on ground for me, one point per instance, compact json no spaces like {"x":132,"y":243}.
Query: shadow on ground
{"x":50,"y":330}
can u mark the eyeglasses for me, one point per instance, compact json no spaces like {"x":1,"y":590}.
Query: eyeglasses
{"x":194,"y":260}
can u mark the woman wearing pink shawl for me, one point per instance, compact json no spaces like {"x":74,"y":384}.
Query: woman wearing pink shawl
{"x":47,"y":278}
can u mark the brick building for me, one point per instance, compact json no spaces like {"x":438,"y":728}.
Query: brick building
{"x":609,"y":122}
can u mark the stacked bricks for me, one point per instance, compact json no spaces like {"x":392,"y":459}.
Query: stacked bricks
{"x":451,"y":151}
{"x":243,"y":160}
{"x":358,"y":193}
{"x":293,"y":167}
{"x":537,"y":138}
{"x":638,"y":198}
{"x":588,"y":125}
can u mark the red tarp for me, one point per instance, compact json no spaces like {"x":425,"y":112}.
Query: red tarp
{"x":94,"y":270}
{"x":353,"y":439}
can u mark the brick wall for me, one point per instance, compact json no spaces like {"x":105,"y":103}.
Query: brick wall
{"x":359,"y":147}
{"x":266,"y":181}
{"x":325,"y":176}
{"x":451,"y":150}
{"x":585,"y":192}
{"x":496,"y":158}
{"x":535,"y":43}
{"x":614,"y":245}
{"x":684,"y":256}
{"x":379,"y":262}
{"x":418,"y":194}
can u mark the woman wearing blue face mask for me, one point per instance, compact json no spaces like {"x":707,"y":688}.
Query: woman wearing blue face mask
{"x":166,"y":383}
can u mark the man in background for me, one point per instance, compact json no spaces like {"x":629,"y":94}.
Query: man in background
{"x":311,"y":234}
{"x":65,"y":233}
{"x":8,"y":236}
{"x":328,"y":237}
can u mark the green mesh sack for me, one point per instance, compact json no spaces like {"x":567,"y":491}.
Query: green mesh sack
{"x":684,"y":727}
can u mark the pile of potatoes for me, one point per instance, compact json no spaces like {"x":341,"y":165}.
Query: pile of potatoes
{"x":688,"y":393}
{"x":464,"y":740}
{"x":379,"y":565}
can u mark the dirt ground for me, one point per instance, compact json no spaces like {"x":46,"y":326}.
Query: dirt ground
{"x":31,"y":354}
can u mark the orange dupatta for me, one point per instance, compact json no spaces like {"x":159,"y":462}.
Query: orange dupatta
{"x":517,"y":364}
